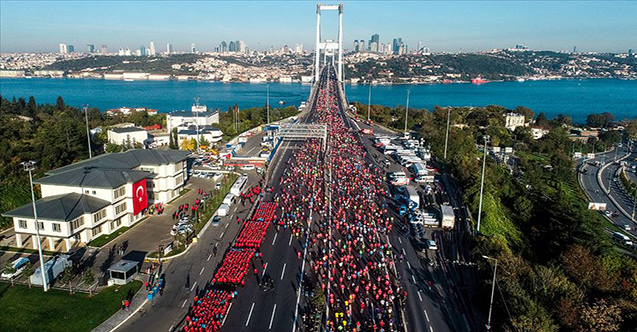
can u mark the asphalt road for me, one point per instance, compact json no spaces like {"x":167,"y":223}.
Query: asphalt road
{"x":610,"y":193}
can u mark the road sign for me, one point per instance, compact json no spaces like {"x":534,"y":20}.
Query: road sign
{"x":597,"y":206}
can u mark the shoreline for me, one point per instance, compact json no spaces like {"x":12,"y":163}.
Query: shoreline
{"x":517,"y":80}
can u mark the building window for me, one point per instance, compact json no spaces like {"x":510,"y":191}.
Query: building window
{"x":120,"y":208}
{"x":146,"y":169}
{"x":41,"y":225}
{"x":79,"y":222}
{"x":180,"y":180}
{"x":22,"y":223}
{"x":99,"y":216}
{"x":116,"y":223}
{"x":86,"y":191}
{"x":94,"y":192}
{"x":97,"y":230}
{"x":119,"y":192}
{"x":56,"y":227}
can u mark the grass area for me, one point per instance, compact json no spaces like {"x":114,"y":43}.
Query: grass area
{"x":534,"y":156}
{"x":106,"y":238}
{"x":183,"y":192}
{"x":26,"y":250}
{"x":30,"y":309}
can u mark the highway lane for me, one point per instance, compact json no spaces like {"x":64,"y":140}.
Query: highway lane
{"x":166,"y":312}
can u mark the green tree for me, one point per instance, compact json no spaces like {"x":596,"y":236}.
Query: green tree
{"x":28,"y":272}
{"x":59,"y":103}
{"x":67,"y":278}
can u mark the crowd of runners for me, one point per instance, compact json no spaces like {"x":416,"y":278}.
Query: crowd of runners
{"x":330,"y":199}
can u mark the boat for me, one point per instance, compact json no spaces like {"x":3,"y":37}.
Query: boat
{"x":478,"y":80}
{"x":446,"y":81}
{"x":520,"y":79}
{"x":281,"y":102}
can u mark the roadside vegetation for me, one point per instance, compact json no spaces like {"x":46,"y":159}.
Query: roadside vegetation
{"x":30,"y":309}
{"x":250,"y":118}
{"x":558,"y":269}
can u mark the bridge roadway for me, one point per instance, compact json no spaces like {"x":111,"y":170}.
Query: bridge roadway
{"x":260,"y":309}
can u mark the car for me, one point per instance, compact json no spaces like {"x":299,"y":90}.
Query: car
{"x":608,"y":213}
{"x":181,"y":230}
{"x":431,"y":245}
{"x":18,"y":265}
{"x":626,"y":227}
{"x":216,"y":220}
{"x":218,"y":185}
{"x":248,"y":167}
{"x":387,"y":162}
{"x":259,"y":171}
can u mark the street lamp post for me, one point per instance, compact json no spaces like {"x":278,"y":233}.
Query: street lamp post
{"x":447,"y":135}
{"x":484,"y":164}
{"x":406,"y":113}
{"x":29,"y":166}
{"x":369,"y":101}
{"x":88,"y":133}
{"x":634,"y":205}
{"x":495,"y":270}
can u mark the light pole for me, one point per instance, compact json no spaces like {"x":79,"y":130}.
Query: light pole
{"x":484,"y":164}
{"x":369,"y":102}
{"x":447,"y":135}
{"x":634,"y":205}
{"x":267,"y":102}
{"x":29,"y":166}
{"x":495,"y":270}
{"x":88,"y":133}
{"x":406,"y":112}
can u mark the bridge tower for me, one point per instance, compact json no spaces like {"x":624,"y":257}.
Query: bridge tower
{"x":329,"y":46}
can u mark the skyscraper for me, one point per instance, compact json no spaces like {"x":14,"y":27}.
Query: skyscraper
{"x":298,"y":48}
{"x":90,"y":48}
{"x":142,"y":50}
{"x":232,"y":47}
{"x":70,"y":48}
{"x":104,"y":49}
{"x":356,"y":49}
{"x":398,"y":46}
{"x":242,"y":46}
{"x":63,"y":49}
{"x":169,"y":48}
{"x":374,"y":42}
{"x":192,"y":48}
{"x":361,"y":45}
{"x":223,"y":48}
{"x":152,"y":50}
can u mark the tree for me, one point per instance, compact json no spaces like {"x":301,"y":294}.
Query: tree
{"x":600,"y":120}
{"x":59,"y":103}
{"x":601,"y":316}
{"x":113,"y":148}
{"x":9,"y":269}
{"x":541,"y":120}
{"x":203,"y":141}
{"x":88,"y":278}
{"x":174,"y":140}
{"x":631,"y":129}
{"x":67,"y":278}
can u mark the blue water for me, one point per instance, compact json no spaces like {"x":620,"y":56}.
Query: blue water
{"x":576,"y":98}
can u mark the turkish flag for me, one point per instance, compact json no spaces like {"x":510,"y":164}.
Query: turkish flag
{"x":140,"y":196}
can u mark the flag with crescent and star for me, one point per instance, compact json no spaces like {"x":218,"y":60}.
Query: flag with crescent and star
{"x":140,"y":196}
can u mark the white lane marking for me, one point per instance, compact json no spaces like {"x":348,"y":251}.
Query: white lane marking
{"x":401,"y":241}
{"x":290,"y":242}
{"x":420,"y":297}
{"x":413,"y":278}
{"x":250,"y":314}
{"x":222,"y":234}
{"x":272,"y":317}
{"x":209,"y":257}
{"x":263,"y":273}
{"x":283,"y":271}
{"x":171,"y":328}
{"x":431,"y":329}
{"x":426,"y":315}
{"x":404,"y":253}
{"x":227,"y":225}
{"x":275,"y":235}
{"x":184,"y":304}
{"x":226,"y":316}
{"x":193,"y":286}
{"x":409,"y":265}
{"x":203,"y":268}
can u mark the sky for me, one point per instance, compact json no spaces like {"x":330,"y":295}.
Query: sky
{"x":450,"y":26}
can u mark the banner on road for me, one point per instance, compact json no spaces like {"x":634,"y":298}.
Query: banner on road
{"x":597,"y":206}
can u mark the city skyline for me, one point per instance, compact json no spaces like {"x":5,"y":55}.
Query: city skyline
{"x":448,"y":27}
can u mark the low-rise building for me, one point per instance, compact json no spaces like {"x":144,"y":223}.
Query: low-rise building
{"x":128,"y":135}
{"x":538,"y":132}
{"x":98,"y":196}
{"x":198,"y":115}
{"x":514,"y":120}
{"x":212,"y":135}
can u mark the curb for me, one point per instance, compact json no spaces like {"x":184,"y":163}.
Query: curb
{"x":129,"y":316}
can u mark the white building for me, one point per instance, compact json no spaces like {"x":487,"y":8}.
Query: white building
{"x":198,"y":115}
{"x":514,"y":120}
{"x":98,"y":196}
{"x":134,"y":135}
{"x":212,"y":135}
{"x":63,"y":49}
{"x":538,"y":132}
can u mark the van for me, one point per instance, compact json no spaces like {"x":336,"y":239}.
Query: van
{"x":18,"y":265}
{"x":229,"y":199}
{"x":248,"y":167}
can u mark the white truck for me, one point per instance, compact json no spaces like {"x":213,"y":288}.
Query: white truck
{"x":448,"y":218}
{"x":419,"y":169}
{"x":52,"y":268}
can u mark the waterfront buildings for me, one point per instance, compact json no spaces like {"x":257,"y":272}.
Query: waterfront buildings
{"x":199,"y":115}
{"x":90,"y":48}
{"x":513,"y":120}
{"x":98,"y":196}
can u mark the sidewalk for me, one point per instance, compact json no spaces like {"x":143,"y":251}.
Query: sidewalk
{"x":120,"y":317}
